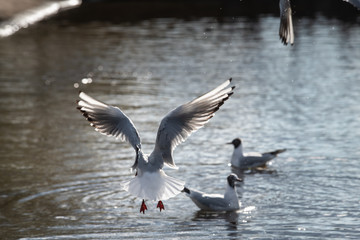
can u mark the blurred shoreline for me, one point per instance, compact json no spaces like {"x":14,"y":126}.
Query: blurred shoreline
{"x":15,"y":15}
{"x":130,"y":10}
{"x":119,"y":10}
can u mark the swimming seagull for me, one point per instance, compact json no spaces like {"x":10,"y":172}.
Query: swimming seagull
{"x":243,"y":160}
{"x":286,"y":30}
{"x":217,"y":202}
{"x":150,"y":181}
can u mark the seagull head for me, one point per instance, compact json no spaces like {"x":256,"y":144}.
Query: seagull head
{"x":232,"y":178}
{"x":236,"y":142}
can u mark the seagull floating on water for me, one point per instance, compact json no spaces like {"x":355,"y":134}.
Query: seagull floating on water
{"x":286,"y":30}
{"x":217,"y":202}
{"x":150,"y":181}
{"x":250,"y":160}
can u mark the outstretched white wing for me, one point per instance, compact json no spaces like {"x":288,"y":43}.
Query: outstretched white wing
{"x":286,"y":30}
{"x":108,"y":120}
{"x":356,"y":3}
{"x":178,"y":124}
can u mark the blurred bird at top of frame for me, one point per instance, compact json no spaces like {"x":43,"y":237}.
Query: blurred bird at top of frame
{"x":286,"y":29}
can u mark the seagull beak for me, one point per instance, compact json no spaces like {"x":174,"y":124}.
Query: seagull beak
{"x":229,"y":143}
{"x":238,"y":180}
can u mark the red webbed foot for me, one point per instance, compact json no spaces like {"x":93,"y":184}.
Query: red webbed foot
{"x":143,"y":207}
{"x":160,"y":205}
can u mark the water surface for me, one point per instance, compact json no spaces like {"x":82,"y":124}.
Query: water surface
{"x":61,"y":180}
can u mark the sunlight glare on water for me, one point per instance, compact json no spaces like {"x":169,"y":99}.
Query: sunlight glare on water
{"x":61,"y":179}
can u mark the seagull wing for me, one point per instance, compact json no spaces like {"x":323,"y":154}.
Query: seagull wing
{"x":356,"y":3}
{"x":286,"y":31}
{"x":109,"y":120}
{"x":178,"y":124}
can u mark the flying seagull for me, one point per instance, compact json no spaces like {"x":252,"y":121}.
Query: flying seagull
{"x":150,"y":181}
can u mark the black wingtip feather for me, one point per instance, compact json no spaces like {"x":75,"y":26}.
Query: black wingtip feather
{"x":284,"y":42}
{"x":186,"y":190}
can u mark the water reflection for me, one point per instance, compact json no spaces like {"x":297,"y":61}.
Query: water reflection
{"x":243,"y":172}
{"x":235,"y":220}
{"x":231,"y":217}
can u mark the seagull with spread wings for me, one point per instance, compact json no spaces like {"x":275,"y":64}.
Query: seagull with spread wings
{"x":150,"y":181}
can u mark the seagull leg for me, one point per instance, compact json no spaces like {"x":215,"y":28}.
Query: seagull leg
{"x":143,"y":207}
{"x":160,"y":205}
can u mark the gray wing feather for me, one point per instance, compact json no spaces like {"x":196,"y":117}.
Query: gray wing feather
{"x":108,"y":120}
{"x":178,"y":124}
{"x":207,"y":201}
{"x":251,"y":162}
{"x":286,"y":31}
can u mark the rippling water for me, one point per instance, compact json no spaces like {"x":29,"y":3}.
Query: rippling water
{"x":61,"y":180}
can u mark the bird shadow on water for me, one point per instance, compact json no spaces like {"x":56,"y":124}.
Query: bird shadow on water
{"x":230,"y":217}
{"x":240,"y":172}
{"x":233,"y":220}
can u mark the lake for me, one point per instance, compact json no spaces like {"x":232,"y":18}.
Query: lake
{"x":61,"y":180}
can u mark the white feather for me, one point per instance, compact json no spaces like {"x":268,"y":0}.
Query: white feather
{"x":153,"y":186}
